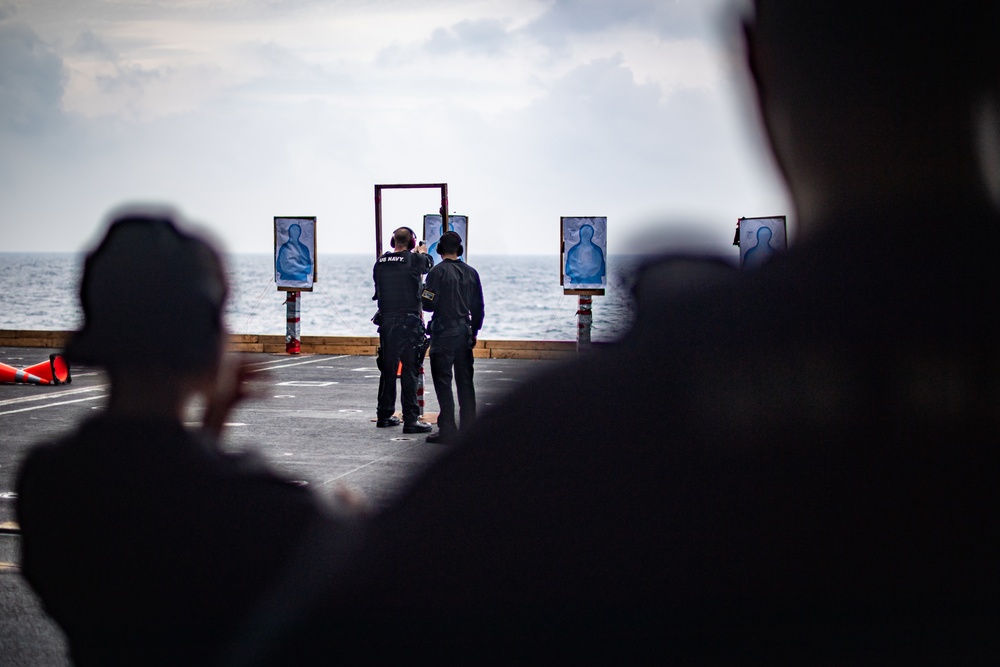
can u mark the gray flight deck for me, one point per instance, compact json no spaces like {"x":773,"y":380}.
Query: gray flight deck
{"x":312,"y":416}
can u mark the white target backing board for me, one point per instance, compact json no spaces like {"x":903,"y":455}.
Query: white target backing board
{"x":760,"y":239}
{"x":583,"y":254}
{"x":295,"y":253}
{"x":433,"y":231}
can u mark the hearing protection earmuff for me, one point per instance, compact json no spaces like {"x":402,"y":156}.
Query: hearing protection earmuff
{"x":413,"y":239}
{"x":461,"y":249}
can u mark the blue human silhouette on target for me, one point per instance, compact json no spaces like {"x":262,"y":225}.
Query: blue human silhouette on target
{"x":585,"y":260}
{"x":761,"y":252}
{"x":294,"y":260}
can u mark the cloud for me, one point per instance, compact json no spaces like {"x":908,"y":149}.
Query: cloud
{"x":115,"y":76}
{"x":483,"y":37}
{"x":244,"y":115}
{"x":670,"y":19}
{"x":274,"y":61}
{"x":129,"y":79}
{"x":599,"y":142}
{"x":32,"y":78}
{"x":88,"y":43}
{"x":598,"y":110}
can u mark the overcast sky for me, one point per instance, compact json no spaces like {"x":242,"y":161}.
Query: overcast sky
{"x":236,"y":111}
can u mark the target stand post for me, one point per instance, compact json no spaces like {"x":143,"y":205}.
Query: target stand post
{"x":585,"y":320}
{"x":293,"y":339}
{"x":584,"y":315}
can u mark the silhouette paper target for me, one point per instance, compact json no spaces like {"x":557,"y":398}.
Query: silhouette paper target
{"x":295,"y":253}
{"x":584,"y":252}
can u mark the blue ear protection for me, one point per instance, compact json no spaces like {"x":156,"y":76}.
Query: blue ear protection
{"x":413,"y":239}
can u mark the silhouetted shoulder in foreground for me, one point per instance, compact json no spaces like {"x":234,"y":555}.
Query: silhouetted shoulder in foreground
{"x":798,"y":464}
{"x":145,"y":541}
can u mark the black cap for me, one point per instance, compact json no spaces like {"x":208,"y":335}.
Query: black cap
{"x":151,"y":294}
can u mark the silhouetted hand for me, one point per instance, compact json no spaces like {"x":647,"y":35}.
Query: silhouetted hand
{"x":230,"y":388}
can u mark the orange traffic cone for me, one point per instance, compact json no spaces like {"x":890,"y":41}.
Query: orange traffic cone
{"x":53,"y":371}
{"x":10,"y":374}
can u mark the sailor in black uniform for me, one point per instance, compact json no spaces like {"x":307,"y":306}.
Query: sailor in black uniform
{"x":454,"y":294}
{"x":398,"y":278}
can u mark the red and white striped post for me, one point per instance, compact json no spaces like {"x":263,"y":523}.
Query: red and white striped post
{"x":585,"y":318}
{"x":293,"y":341}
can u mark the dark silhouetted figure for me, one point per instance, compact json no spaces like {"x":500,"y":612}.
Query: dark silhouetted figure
{"x":398,"y":277}
{"x":145,"y":541}
{"x":798,"y":465}
{"x":454,"y":294}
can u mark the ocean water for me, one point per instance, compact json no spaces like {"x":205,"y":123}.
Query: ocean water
{"x":524,"y":300}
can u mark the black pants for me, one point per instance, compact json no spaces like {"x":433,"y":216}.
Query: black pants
{"x":451,"y":353}
{"x":397,"y":344}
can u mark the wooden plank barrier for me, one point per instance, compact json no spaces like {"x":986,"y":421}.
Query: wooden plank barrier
{"x":333,"y":345}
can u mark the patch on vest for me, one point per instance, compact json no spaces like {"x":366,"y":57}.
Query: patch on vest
{"x":427,"y":294}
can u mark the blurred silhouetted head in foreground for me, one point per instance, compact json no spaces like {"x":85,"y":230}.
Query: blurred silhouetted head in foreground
{"x":895,"y":51}
{"x":874,"y":101}
{"x":152,"y":295}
